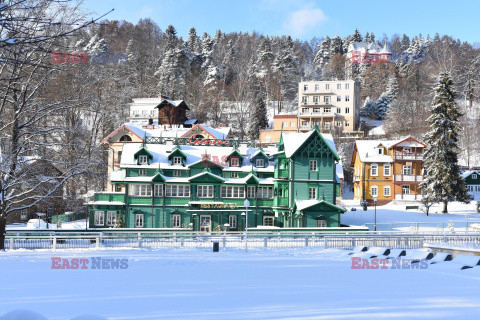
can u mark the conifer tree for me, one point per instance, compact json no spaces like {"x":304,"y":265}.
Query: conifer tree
{"x":442,"y":181}
{"x":259,"y":118}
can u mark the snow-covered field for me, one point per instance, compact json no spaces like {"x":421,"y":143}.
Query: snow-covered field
{"x":233,"y":284}
{"x":40,"y":224}
{"x":395,"y":217}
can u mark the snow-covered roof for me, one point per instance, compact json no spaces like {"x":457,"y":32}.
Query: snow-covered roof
{"x":294,"y":140}
{"x":194,"y":155}
{"x":466,"y":174}
{"x":368,"y":152}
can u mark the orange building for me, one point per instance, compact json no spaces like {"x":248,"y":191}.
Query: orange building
{"x":388,"y":169}
{"x":285,"y":122}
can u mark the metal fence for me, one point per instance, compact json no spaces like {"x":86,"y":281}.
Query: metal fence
{"x":346,"y":241}
{"x":428,"y":227}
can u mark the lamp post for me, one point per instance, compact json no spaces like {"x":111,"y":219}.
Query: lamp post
{"x":375,"y":198}
{"x":246,"y":203}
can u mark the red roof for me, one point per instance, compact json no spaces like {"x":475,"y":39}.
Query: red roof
{"x":285,"y":116}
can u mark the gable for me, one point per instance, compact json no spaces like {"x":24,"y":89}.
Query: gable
{"x":315,"y":146}
{"x":206,"y":177}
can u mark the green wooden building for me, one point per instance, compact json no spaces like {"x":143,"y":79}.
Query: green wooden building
{"x":203,"y":185}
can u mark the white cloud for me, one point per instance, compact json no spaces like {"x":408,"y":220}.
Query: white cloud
{"x":304,"y":20}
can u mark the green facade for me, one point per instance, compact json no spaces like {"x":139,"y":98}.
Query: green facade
{"x":294,"y":193}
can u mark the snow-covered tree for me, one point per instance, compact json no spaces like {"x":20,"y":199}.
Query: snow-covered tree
{"x":258,"y":118}
{"x":323,"y":54}
{"x":442,"y":181}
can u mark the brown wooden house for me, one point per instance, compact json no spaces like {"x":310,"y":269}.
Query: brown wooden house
{"x":172,"y":112}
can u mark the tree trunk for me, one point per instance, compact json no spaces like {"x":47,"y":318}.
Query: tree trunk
{"x":445,"y":204}
{"x":3,"y":222}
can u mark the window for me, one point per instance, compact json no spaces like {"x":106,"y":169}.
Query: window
{"x":205,"y":191}
{"x":268,"y":221}
{"x":347,"y":98}
{"x":234,"y":162}
{"x":317,"y":87}
{"x":265,"y":192}
{"x":387,"y":191}
{"x":125,"y":138}
{"x":232,"y":192}
{"x":380,"y":150}
{"x":232,"y":221}
{"x":99,"y":218}
{"x":347,"y":123}
{"x":407,"y":170}
{"x":140,"y":190}
{"x":142,"y":160}
{"x":316,"y":99}
{"x":305,"y":99}
{"x":327,"y":86}
{"x":406,"y":189}
{"x":111,"y":218}
{"x":474,"y":176}
{"x":260,"y":163}
{"x":305,"y":87}
{"x":139,"y":221}
{"x":339,"y":86}
{"x":327,"y":110}
{"x":251,"y":192}
{"x":321,"y":224}
{"x":234,"y":175}
{"x":313,"y":165}
{"x":374,"y":191}
{"x":386,"y":170}
{"x":24,"y":214}
{"x":339,"y":123}
{"x":347,"y":110}
{"x":326,"y":99}
{"x":316,"y":110}
{"x":339,"y":98}
{"x":339,"y":110}
{"x":312,"y":193}
{"x":374,"y":170}
{"x":304,"y":123}
{"x":158,"y":190}
{"x":347,"y":86}
{"x":177,"y":173}
{"x":142,"y":172}
{"x":292,"y":124}
{"x":177,"y":191}
{"x":470,"y":188}
{"x":176,"y":221}
{"x":177,"y":160}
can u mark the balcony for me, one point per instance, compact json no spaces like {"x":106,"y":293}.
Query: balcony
{"x":410,"y":197}
{"x":408,"y":156}
{"x":317,"y":114}
{"x":110,"y":196}
{"x":408,"y":178}
{"x":281,"y":174}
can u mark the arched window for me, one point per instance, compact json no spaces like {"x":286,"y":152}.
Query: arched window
{"x":125,"y":138}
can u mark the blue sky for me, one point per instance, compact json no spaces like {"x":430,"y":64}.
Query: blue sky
{"x":304,"y":19}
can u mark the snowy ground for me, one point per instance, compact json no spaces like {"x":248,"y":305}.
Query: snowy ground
{"x":395,"y":217}
{"x":261,"y":284}
{"x":36,"y":224}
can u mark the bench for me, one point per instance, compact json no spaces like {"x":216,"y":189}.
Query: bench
{"x":411,"y":207}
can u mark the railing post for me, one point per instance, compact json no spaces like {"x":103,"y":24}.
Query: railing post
{"x":140,"y":240}
{"x":97,"y":242}
{"x":265,"y":242}
{"x":11,"y":242}
{"x":224,"y":242}
{"x":54,"y":242}
{"x":306,"y":241}
{"x":182,"y":241}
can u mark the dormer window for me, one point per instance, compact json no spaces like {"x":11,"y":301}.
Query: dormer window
{"x":260,"y":163}
{"x":380,"y":150}
{"x":177,"y":160}
{"x":142,"y":159}
{"x":474,"y":176}
{"x":234,"y":162}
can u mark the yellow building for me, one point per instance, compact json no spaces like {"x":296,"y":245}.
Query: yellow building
{"x":388,"y":169}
